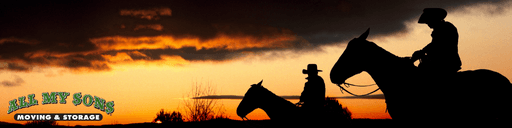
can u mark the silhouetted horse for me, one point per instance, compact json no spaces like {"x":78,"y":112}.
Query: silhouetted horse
{"x":282,"y":110}
{"x":277,"y":108}
{"x":478,"y":94}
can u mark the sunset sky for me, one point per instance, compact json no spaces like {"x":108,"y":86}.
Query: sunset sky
{"x":146,"y":55}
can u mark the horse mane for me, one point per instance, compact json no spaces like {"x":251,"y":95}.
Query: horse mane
{"x":374,"y":47}
{"x":262,"y":91}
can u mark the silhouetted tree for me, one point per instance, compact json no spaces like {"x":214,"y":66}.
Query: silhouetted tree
{"x":335,"y":111}
{"x":42,"y":123}
{"x":167,"y":117}
{"x":202,"y":109}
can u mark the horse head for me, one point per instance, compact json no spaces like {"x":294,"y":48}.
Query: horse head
{"x":345,"y":66}
{"x":277,"y":108}
{"x":250,"y":100}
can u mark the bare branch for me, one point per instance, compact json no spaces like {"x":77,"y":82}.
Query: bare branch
{"x":202,"y":109}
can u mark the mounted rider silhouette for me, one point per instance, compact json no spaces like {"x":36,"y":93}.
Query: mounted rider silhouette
{"x":440,"y":57}
{"x":313,"y":95}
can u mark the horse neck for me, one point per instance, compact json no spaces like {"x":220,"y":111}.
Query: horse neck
{"x":389,"y":71}
{"x":276,"y":107}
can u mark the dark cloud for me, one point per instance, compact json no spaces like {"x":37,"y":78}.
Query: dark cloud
{"x":16,"y":82}
{"x":63,"y":34}
{"x":76,"y":64}
{"x":149,"y":14}
{"x":17,"y":67}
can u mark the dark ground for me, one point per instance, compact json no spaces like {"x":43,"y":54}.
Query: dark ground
{"x":355,"y":123}
{"x":227,"y":123}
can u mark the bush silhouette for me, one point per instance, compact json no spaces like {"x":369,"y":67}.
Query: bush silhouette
{"x":42,"y":123}
{"x":333,"y":110}
{"x":167,"y":117}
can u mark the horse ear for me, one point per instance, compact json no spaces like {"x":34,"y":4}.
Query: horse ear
{"x":365,"y":34}
{"x":259,"y":84}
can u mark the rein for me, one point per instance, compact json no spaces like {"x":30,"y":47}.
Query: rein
{"x":348,"y":85}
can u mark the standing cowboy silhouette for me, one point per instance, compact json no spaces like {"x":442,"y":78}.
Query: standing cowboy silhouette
{"x":313,"y":95}
{"x":441,"y":55}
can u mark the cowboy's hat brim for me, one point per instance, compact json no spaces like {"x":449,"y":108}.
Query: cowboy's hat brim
{"x":304,"y":71}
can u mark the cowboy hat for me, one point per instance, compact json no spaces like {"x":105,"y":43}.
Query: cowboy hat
{"x":432,"y":15}
{"x":311,"y":68}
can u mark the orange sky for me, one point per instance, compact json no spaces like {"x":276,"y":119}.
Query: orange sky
{"x":141,"y":88}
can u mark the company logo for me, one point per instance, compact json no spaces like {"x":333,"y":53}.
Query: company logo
{"x":59,"y":117}
{"x":51,"y":98}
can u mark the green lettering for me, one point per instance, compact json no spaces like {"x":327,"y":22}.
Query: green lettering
{"x":99,"y":103}
{"x":110,"y":107}
{"x":49,"y":99}
{"x":63,"y":96}
{"x":13,"y":106}
{"x":31,"y":100}
{"x":23,"y":104}
{"x":88,"y":102}
{"x":77,"y":98}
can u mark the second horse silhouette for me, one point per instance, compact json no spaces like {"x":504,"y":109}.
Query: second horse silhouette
{"x":278,"y":108}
